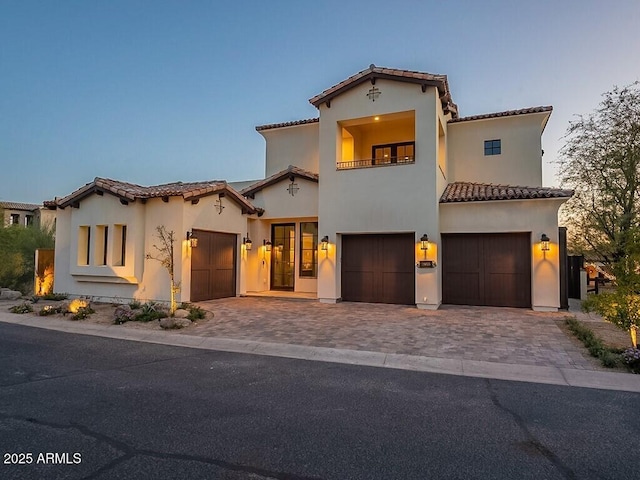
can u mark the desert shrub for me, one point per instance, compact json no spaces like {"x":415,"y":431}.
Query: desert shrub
{"x":123,"y":314}
{"x":82,"y":313}
{"x":195,"y":312}
{"x":150,"y":311}
{"x":56,"y":297}
{"x":608,"y":357}
{"x":631,"y":358}
{"x":50,"y":310}
{"x":22,"y":308}
{"x":135,"y":304}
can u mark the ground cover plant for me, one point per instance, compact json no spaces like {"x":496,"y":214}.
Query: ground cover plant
{"x":609,"y":357}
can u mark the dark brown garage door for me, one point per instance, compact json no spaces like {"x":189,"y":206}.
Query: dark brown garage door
{"x":487,"y":269}
{"x":213,"y":266}
{"x":378,"y":268}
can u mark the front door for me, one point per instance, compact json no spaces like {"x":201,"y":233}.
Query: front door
{"x":283,"y":241}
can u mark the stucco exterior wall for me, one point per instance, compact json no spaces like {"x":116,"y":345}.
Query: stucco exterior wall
{"x":520,"y":161}
{"x":277,"y":202}
{"x":204,"y":216}
{"x":397,"y":198}
{"x":71,"y":276}
{"x":535,"y":216}
{"x":296,"y":145}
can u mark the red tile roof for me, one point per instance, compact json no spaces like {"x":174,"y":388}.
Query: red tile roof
{"x":507,"y":113}
{"x":373,"y":72}
{"x":290,"y":172}
{"x":479,"y":192}
{"x":131,"y":192}
{"x":19,"y":206}
{"x":259,"y":128}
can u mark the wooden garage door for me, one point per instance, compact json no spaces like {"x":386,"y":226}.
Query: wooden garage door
{"x":378,"y":268}
{"x":487,"y":269}
{"x":213,"y":266}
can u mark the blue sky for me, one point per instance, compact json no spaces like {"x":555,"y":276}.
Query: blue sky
{"x":158,"y":91}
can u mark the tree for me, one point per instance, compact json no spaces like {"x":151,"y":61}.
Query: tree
{"x":17,"y":254}
{"x":601,"y":162}
{"x":164,"y":255}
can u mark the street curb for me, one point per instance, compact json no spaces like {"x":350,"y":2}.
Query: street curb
{"x":468,"y":368}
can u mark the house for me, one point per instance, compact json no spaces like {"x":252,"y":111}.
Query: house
{"x":26,"y":214}
{"x":389,"y":195}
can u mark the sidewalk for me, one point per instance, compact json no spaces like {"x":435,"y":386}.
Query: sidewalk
{"x":472,"y":368}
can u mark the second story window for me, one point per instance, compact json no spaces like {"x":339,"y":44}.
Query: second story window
{"x":492,"y":147}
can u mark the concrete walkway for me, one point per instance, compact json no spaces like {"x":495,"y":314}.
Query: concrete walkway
{"x":474,"y":341}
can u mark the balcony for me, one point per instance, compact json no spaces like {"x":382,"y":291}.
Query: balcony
{"x":375,"y":162}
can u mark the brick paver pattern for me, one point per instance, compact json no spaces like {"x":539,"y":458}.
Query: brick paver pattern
{"x":503,"y":335}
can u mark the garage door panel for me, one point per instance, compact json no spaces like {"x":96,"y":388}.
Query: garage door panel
{"x":487,"y":269}
{"x":398,"y":288}
{"x":378,"y":268}
{"x":462,"y":288}
{"x":358,"y":286}
{"x":199,"y":284}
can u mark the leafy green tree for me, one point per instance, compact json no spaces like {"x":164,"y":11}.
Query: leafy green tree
{"x":18,"y":245}
{"x":601,"y":162}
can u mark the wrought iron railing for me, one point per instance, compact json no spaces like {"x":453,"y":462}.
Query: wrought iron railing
{"x":376,"y":162}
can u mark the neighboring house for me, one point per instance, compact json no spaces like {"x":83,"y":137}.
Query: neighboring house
{"x":26,"y":214}
{"x":389,"y":196}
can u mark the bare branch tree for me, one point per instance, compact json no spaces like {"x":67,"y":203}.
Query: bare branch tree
{"x":164,"y":255}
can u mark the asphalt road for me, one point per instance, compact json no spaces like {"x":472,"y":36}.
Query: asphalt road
{"x":112,"y":409}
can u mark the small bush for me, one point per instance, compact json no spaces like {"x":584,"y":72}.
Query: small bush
{"x":50,"y":310}
{"x":82,"y":313}
{"x":608,"y":357}
{"x":22,"y":308}
{"x":123,"y":314}
{"x":135,"y":304}
{"x":56,"y":297}
{"x":631,"y":358}
{"x":148,"y":312}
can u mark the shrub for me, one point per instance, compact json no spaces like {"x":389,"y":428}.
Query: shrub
{"x":631,"y":357}
{"x":82,"y":313}
{"x":135,"y":304}
{"x":123,"y":314}
{"x":195,"y":312}
{"x":22,"y":308}
{"x":56,"y":297}
{"x":148,"y":312}
{"x":50,"y":310}
{"x":608,"y":357}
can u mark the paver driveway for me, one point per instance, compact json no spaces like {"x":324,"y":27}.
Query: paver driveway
{"x":504,"y":335}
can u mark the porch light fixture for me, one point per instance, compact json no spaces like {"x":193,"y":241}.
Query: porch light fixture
{"x":544,"y":242}
{"x":192,"y":239}
{"x":325,"y":242}
{"x":246,"y":241}
{"x":424,"y":244}
{"x":267,"y":245}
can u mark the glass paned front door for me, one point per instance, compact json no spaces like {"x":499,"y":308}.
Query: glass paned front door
{"x":283,"y":243}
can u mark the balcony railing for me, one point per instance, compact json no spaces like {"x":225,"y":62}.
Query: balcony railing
{"x":375,"y":162}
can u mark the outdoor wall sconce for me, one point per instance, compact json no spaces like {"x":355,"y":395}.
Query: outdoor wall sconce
{"x":424,"y":242}
{"x":267,"y":245}
{"x":192,"y":239}
{"x":544,"y":242}
{"x":246,"y":241}
{"x":325,"y":243}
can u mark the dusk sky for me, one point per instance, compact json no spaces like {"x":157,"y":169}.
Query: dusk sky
{"x":158,"y":91}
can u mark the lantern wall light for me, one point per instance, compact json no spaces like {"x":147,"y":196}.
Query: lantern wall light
{"x":192,"y":239}
{"x":544,"y":242}
{"x":325,"y":242}
{"x":246,"y":241}
{"x":267,"y":245}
